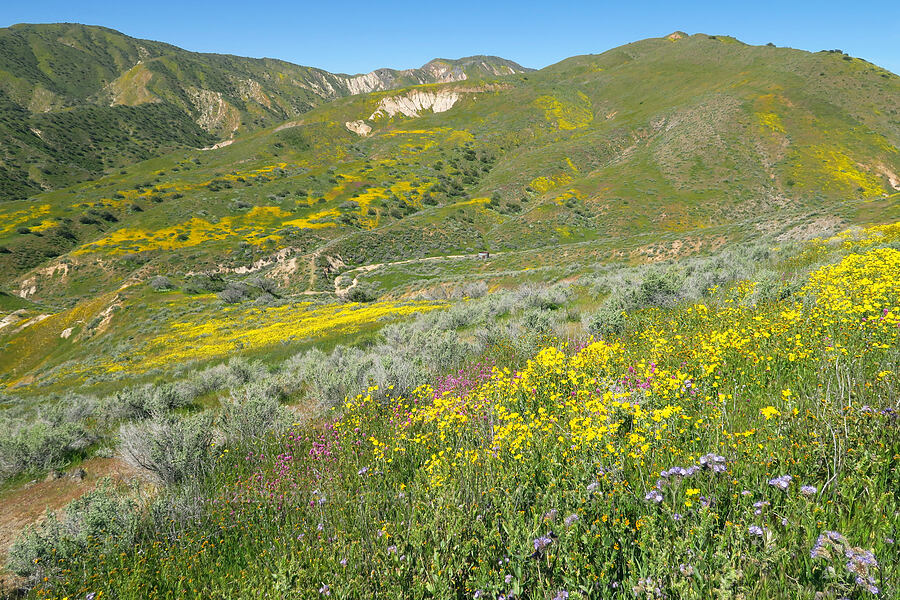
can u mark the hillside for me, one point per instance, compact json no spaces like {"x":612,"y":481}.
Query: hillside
{"x":625,"y":326}
{"x":660,"y":149}
{"x":739,"y":444}
{"x":78,"y":102}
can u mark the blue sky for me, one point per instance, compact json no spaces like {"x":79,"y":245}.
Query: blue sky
{"x":353,"y":37}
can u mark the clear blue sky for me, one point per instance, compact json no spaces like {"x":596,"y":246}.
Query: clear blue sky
{"x":354,"y":37}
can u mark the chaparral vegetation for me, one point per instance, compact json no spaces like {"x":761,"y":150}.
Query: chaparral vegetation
{"x":627,"y":326}
{"x":743,"y":444}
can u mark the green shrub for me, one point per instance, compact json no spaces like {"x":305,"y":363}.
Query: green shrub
{"x":160,"y":283}
{"x":234,"y":293}
{"x":202,"y":284}
{"x":252,"y":412}
{"x":55,"y":437}
{"x":101,"y":519}
{"x":609,"y":320}
{"x":361,"y":293}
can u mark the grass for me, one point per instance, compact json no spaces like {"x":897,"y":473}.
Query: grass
{"x":726,"y":447}
{"x":654,"y":152}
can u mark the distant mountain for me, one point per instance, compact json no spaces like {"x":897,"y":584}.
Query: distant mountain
{"x":79,"y":101}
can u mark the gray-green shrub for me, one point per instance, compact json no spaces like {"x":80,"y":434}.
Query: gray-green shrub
{"x":173,"y":448}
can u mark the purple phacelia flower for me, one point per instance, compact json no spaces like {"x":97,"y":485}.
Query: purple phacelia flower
{"x":654,"y":496}
{"x":782,"y":483}
{"x":542,"y":542}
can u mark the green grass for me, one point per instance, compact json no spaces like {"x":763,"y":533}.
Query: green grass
{"x":473,"y":492}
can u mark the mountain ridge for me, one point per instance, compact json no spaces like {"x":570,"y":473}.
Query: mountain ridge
{"x":46,"y":70}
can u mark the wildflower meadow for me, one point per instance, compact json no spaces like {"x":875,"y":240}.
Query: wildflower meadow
{"x":734,"y":447}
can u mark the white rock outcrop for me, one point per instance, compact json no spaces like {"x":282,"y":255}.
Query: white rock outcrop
{"x":413,"y":103}
{"x":363,"y":84}
{"x":359,"y":127}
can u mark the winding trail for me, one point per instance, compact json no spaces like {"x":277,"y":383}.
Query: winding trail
{"x":338,"y":290}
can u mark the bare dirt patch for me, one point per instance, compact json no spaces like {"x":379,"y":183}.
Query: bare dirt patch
{"x":28,"y":504}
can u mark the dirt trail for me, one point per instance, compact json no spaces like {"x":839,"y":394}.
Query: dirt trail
{"x":338,"y":290}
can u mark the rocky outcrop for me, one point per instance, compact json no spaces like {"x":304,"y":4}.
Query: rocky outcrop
{"x":438,"y":70}
{"x":250,"y":89}
{"x":215,"y":114}
{"x":413,"y":103}
{"x":359,"y":127}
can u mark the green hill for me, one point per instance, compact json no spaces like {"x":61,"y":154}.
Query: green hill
{"x":436,"y":333}
{"x":657,"y":150}
{"x":79,"y":101}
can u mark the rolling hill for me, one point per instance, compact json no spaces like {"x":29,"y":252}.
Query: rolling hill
{"x":660,"y":149}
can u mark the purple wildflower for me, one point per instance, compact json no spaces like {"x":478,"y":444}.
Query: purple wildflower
{"x":782,"y":483}
{"x":711,"y":459}
{"x":542,"y":542}
{"x":571,"y":519}
{"x":561,"y":595}
{"x":834,"y":536}
{"x":808,"y":490}
{"x":755,"y":530}
{"x":325,"y":590}
{"x":654,"y":496}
